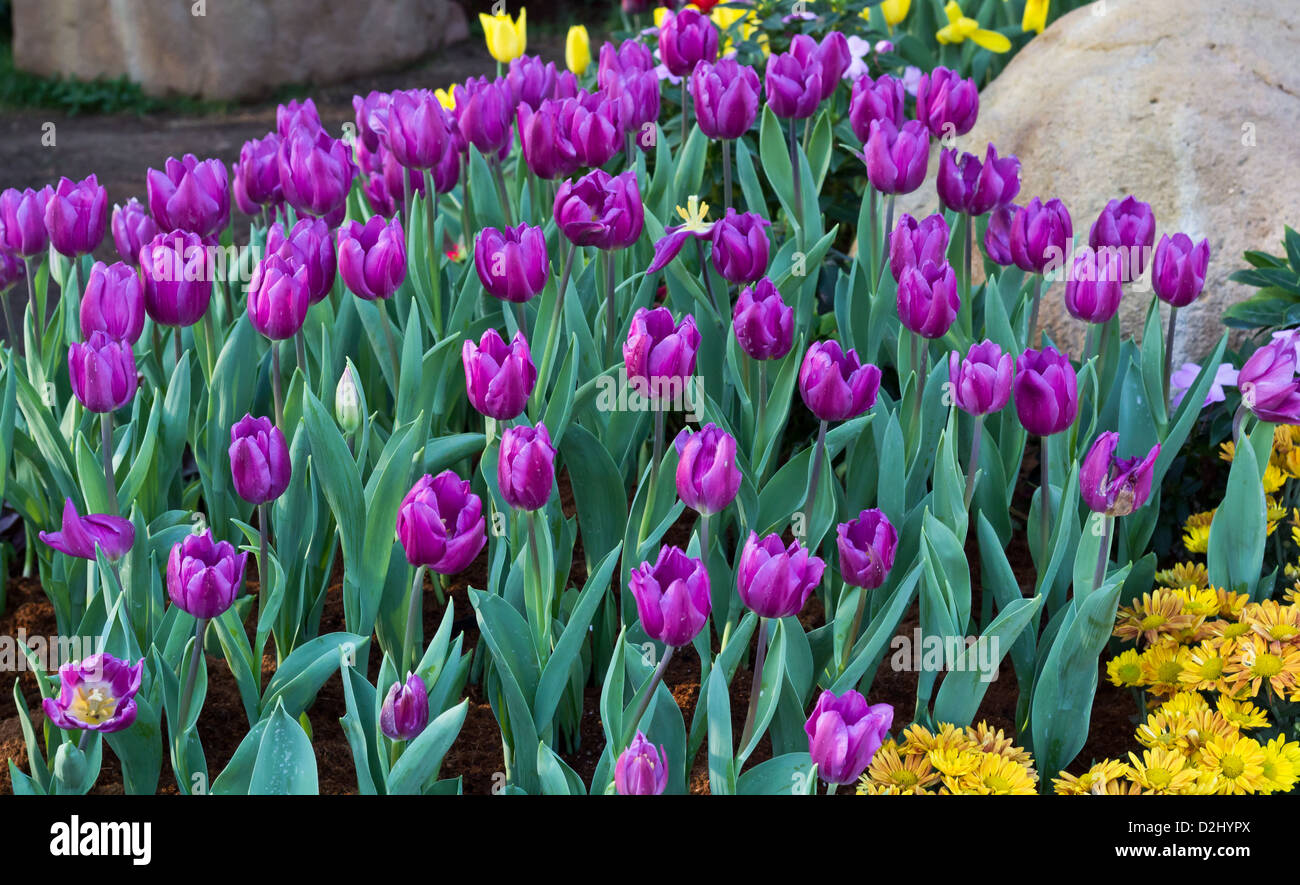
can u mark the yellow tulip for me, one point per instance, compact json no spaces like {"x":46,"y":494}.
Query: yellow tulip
{"x":895,"y":11}
{"x":960,"y":28}
{"x":726,"y":16}
{"x":506,"y":39}
{"x":446,"y":98}
{"x":577,"y":49}
{"x":1035,"y":18}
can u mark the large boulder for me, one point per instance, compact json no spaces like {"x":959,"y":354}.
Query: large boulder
{"x":227,"y":49}
{"x":1191,"y":105}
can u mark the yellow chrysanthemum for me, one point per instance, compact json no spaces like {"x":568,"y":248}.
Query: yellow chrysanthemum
{"x":1227,"y":451}
{"x":952,"y":762}
{"x":1236,"y":762}
{"x":1184,"y":574}
{"x":919,"y":739}
{"x":1280,"y":770}
{"x":1227,"y":630}
{"x":1204,"y":667}
{"x":1122,"y":787}
{"x":1274,"y":478}
{"x":960,"y":28}
{"x":1164,"y":731}
{"x":1161,"y":771}
{"x":1231,"y":603}
{"x":1196,"y":532}
{"x":1196,"y":601}
{"x":1184,"y":703}
{"x":1290,"y":462}
{"x":994,"y":775}
{"x":1275,"y":512}
{"x":991,"y":740}
{"x":1157,"y":613}
{"x":1125,"y":669}
{"x":1255,"y":664}
{"x":1242,"y":714}
{"x":1093,"y":781}
{"x":1162,"y":667}
{"x":906,"y":773}
{"x":1035,"y":17}
{"x":506,"y":38}
{"x":1273,"y":620}
{"x":1202,"y":727}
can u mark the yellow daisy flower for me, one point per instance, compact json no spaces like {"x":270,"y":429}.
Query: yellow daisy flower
{"x":1184,"y":574}
{"x":1125,"y":669}
{"x":1184,"y":703}
{"x":1227,"y":451}
{"x":952,"y":762}
{"x":1279,"y":773}
{"x":1162,"y":668}
{"x":1236,"y":762}
{"x":1163,"y":730}
{"x":905,"y":773}
{"x":1274,"y":479}
{"x":1092,"y":781}
{"x":1255,"y":663}
{"x":1242,"y":714}
{"x":994,"y":775}
{"x":1196,"y":532}
{"x":1204,"y":670}
{"x":1273,"y":621}
{"x":991,"y":740}
{"x":1161,"y":771}
{"x":1156,"y":613}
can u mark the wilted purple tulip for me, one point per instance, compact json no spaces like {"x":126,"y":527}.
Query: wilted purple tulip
{"x":946,"y":103}
{"x":526,"y":466}
{"x":913,"y":243}
{"x":775,"y":581}
{"x":256,"y":175}
{"x":440,"y":523}
{"x":1047,"y":391}
{"x":740,"y":246}
{"x":499,"y":377}
{"x":278,"y":297}
{"x":763,"y":323}
{"x":297,"y":115}
{"x":1178,"y":270}
{"x":22,"y":220}
{"x":96,"y":693}
{"x":190,"y":194}
{"x":707,"y":475}
{"x":873,"y":100}
{"x":544,"y":140}
{"x":77,"y":216}
{"x":177,"y":278}
{"x":102,"y":372}
{"x":601,"y":210}
{"x":896,"y":158}
{"x":672,"y":596}
{"x":1127,"y":224}
{"x":203,"y":575}
{"x":793,"y":87}
{"x":371,"y":116}
{"x":590,"y":124}
{"x":968,"y":186}
{"x":512,"y":264}
{"x":1095,"y":285}
{"x":927,"y":299}
{"x":836,"y":386}
{"x":685,"y":38}
{"x":1040,"y":235}
{"x":259,"y":460}
{"x":1268,"y":384}
{"x":309,"y":244}
{"x":316,"y":173}
{"x":405,"y":711}
{"x":981,"y":381}
{"x":79,"y":535}
{"x":660,"y":354}
{"x":641,"y":770}
{"x":726,"y":97}
{"x":113,"y":303}
{"x":844,"y":733}
{"x":485,"y":110}
{"x":531,"y":81}
{"x":997,"y":236}
{"x":132,"y":228}
{"x":1115,"y":486}
{"x":419,"y":129}
{"x":867,"y":546}
{"x":372,"y":257}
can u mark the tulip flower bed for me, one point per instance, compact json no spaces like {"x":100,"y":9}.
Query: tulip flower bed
{"x":537,"y":433}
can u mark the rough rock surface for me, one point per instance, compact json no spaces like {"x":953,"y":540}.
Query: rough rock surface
{"x":227,"y":49}
{"x":1191,"y":105}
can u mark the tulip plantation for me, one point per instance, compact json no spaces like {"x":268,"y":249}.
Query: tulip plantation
{"x":564,"y":420}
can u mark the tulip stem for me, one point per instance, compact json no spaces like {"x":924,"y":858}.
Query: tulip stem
{"x":1169,"y":349}
{"x":798,"y":180}
{"x":873,"y":222}
{"x":542,"y":602}
{"x":726,"y":174}
{"x":415,"y":607}
{"x":607,"y":257}
{"x":13,"y":331}
{"x":704,"y":272}
{"x":552,"y":332}
{"x":703,"y":524}
{"x":1103,"y":555}
{"x":976,"y":439}
{"x":300,"y":352}
{"x":655,"y":678}
{"x":1045,"y":505}
{"x":852,"y":638}
{"x":755,"y":686}
{"x":176,"y":345}
{"x":762,"y":398}
{"x":1033,"y":311}
{"x":685,"y":118}
{"x":275,"y":385}
{"x":392,"y":343}
{"x":210,"y":342}
{"x":889,"y":226}
{"x":106,"y":450}
{"x":195,"y":657}
{"x":501,"y":189}
{"x":819,"y":457}
{"x":967,"y":247}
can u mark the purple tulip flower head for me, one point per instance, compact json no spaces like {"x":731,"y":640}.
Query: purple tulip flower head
{"x":544,"y":140}
{"x":190,"y":194}
{"x":102,"y":372}
{"x":259,"y":460}
{"x":968,"y":186}
{"x":22,"y":220}
{"x":913,"y":243}
{"x":1040,"y":236}
{"x":867,"y":546}
{"x":726,"y":97}
{"x":77,"y":216}
{"x":981,"y":381}
{"x":418,"y":128}
{"x":371,"y":116}
{"x":132,"y":228}
{"x":531,"y":81}
{"x":763,"y":322}
{"x":177,"y":278}
{"x":79,"y":535}
{"x":512,"y":264}
{"x":740,"y":247}
{"x":835,"y":385}
{"x":946,"y":103}
{"x":1178,"y":270}
{"x":641,"y":770}
{"x":793,"y":81}
{"x":95,"y":694}
{"x":660,"y":354}
{"x":685,"y":38}
{"x":113,"y":303}
{"x":707,"y":475}
{"x":896,"y":158}
{"x":526,"y":466}
{"x":440,"y":523}
{"x":1182,"y":379}
{"x":278,"y":297}
{"x":12,"y":269}
{"x":695,"y":224}
{"x":672,"y":596}
{"x":635,"y":95}
{"x":499,"y":377}
{"x":256,"y":175}
{"x":297,"y":116}
{"x":1268,"y":383}
{"x":844,"y":733}
{"x":1115,"y":486}
{"x":601,"y":210}
{"x":203,"y":575}
{"x":316,"y":173}
{"x":834,"y":57}
{"x":591,"y":126}
{"x":372,"y":257}
{"x":485,"y":109}
{"x":1095,"y":285}
{"x":309,"y":244}
{"x":927,"y":299}
{"x":775,"y":581}
{"x":405,"y":711}
{"x":1128,"y":225}
{"x":1046,"y":391}
{"x":997,"y":236}
{"x":873,"y":100}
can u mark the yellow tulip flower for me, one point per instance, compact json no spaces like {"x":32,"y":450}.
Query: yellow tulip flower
{"x":895,"y":11}
{"x":959,"y":28}
{"x":577,"y":49}
{"x":446,"y":98}
{"x":506,"y":39}
{"x":725,"y":16}
{"x":1035,"y":18}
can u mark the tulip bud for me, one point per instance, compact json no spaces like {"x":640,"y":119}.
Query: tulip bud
{"x":912,"y":243}
{"x":296,"y":116}
{"x":96,"y":693}
{"x":132,"y":229}
{"x":1127,"y":224}
{"x":440,"y":523}
{"x":102,"y":372}
{"x":641,"y":770}
{"x":113,"y":303}
{"x":1094,"y":286}
{"x":1115,"y":486}
{"x":726,"y":98}
{"x":316,"y":172}
{"x":740,"y":247}
{"x":836,"y":386}
{"x":278,"y":297}
{"x":927,"y":299}
{"x":997,"y":236}
{"x":896,"y":158}
{"x":763,"y":323}
{"x":577,"y":50}
{"x":77,"y":215}
{"x":672,"y":596}
{"x":190,"y":194}
{"x":981,"y":382}
{"x":22,"y":220}
{"x":685,"y":38}
{"x":531,"y":81}
{"x":526,"y":466}
{"x":793,"y":87}
{"x":867,"y":546}
{"x":544,"y":140}
{"x":1268,"y":384}
{"x":371,"y":116}
{"x":1040,"y":236}
{"x":1046,"y":390}
{"x":601,"y":210}
{"x":707,"y":475}
{"x":80,"y":535}
{"x":177,"y":278}
{"x":485,"y":110}
{"x":347,"y":403}
{"x":660,"y":355}
{"x":775,"y":581}
{"x":256,"y":176}
{"x":372,"y":257}
{"x":1178,"y":271}
{"x":873,"y":100}
{"x":259,"y":460}
{"x":512,"y":264}
{"x":591,"y":125}
{"x":966,"y":185}
{"x":946,"y":103}
{"x":499,"y":377}
{"x":405,"y":711}
{"x":844,"y":733}
{"x":419,"y":129}
{"x":310,"y":245}
{"x":204,"y":575}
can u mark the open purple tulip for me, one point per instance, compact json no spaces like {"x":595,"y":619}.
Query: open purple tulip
{"x":844,"y":733}
{"x":1268,"y":383}
{"x":896,"y":157}
{"x":1178,"y":270}
{"x":775,"y":581}
{"x":499,"y":377}
{"x":113,"y":303}
{"x":95,"y":694}
{"x":660,"y":354}
{"x":834,"y":385}
{"x":1046,"y":390}
{"x":190,"y":194}
{"x":79,"y":535}
{"x":1115,"y":486}
{"x":867,"y":546}
{"x":981,"y":381}
{"x":102,"y":372}
{"x":946,"y":103}
{"x":526,"y":466}
{"x":763,"y":322}
{"x":672,"y":596}
{"x":132,"y":228}
{"x":440,"y":523}
{"x":512,"y":264}
{"x":707,"y":475}
{"x":204,"y":575}
{"x":927,"y":299}
{"x":177,"y":278}
{"x":372,"y":257}
{"x":77,"y":216}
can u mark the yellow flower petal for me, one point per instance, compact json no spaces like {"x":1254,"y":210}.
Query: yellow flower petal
{"x":577,"y":49}
{"x":895,"y":11}
{"x":991,"y":40}
{"x":1035,"y":18}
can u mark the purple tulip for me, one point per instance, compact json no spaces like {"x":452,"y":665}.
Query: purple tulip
{"x":1047,"y":391}
{"x":660,"y":354}
{"x":12,"y":269}
{"x":190,"y":194}
{"x":946,"y":103}
{"x":531,"y":81}
{"x":726,"y":98}
{"x":913,"y":243}
{"x":836,"y":386}
{"x":832,"y":54}
{"x":259,"y":460}
{"x":629,"y":57}
{"x":405,"y":711}
{"x":80,"y":535}
{"x":740,"y":247}
{"x":707,"y":475}
{"x":22,"y":220}
{"x":526,"y":466}
{"x":257,"y":175}
{"x":371,"y":116}
{"x":486,"y":112}
{"x":896,"y":158}
{"x":1178,"y":270}
{"x":793,"y":87}
{"x":968,"y":186}
{"x":499,"y":377}
{"x":775,"y":581}
{"x":873,"y":100}
{"x":419,"y":129}
{"x":997,"y":236}
{"x":1182,"y":379}
{"x":844,"y":733}
{"x":203,"y":575}
{"x":635,"y":95}
{"x":601,"y":210}
{"x":297,"y":116}
{"x":1095,"y":285}
{"x":763,"y":323}
{"x":641,"y":770}
{"x":1127,"y":224}
{"x":1115,"y":486}
{"x":927,"y":299}
{"x":113,"y":303}
{"x":316,"y":173}
{"x":440,"y":523}
{"x":544,"y":140}
{"x":77,"y":216}
{"x":685,"y":38}
{"x":307,"y":244}
{"x":512,"y":264}
{"x":177,"y":278}
{"x":1040,"y":236}
{"x":102,"y":372}
{"x":672,"y":596}
{"x":867,"y":546}
{"x":590,"y":124}
{"x":132,"y":228}
{"x":981,"y":381}
{"x":95,"y":694}
{"x":278,"y":297}
{"x":372,"y":257}
{"x":1268,"y":384}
